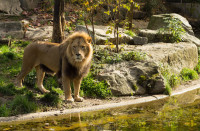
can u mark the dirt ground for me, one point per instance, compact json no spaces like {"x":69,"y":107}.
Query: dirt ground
{"x":89,"y":102}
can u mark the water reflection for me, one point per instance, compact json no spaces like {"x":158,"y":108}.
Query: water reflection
{"x":168,"y":114}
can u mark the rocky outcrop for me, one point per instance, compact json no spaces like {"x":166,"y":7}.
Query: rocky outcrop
{"x":12,"y":29}
{"x":158,"y":21}
{"x":101,"y":36}
{"x":11,"y":7}
{"x":128,"y":78}
{"x":177,"y":56}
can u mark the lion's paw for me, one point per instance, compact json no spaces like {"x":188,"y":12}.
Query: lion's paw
{"x":79,"y":99}
{"x":69,"y":100}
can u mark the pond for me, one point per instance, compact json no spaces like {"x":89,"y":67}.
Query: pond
{"x":169,"y":114}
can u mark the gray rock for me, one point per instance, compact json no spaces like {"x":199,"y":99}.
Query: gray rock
{"x":192,"y":39}
{"x":11,"y":28}
{"x":137,"y":40}
{"x":11,"y":7}
{"x":125,"y":78}
{"x":139,"y":14}
{"x":39,"y":33}
{"x":176,"y":56}
{"x":157,"y":21}
{"x":29,"y":4}
{"x":101,"y":36}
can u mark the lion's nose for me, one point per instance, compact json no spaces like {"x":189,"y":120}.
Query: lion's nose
{"x":78,"y":55}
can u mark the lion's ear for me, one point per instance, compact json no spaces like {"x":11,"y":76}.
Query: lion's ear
{"x":89,"y":39}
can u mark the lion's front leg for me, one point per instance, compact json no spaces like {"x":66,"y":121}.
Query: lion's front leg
{"x":67,"y":89}
{"x":77,"y":84}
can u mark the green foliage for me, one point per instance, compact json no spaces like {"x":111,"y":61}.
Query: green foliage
{"x":4,"y":111}
{"x":20,"y":43}
{"x":134,"y":55}
{"x":174,"y":28}
{"x":130,"y":33}
{"x":109,"y":57}
{"x":30,"y":79}
{"x":171,"y":80}
{"x":11,"y":90}
{"x":21,"y":105}
{"x":52,"y":98}
{"x":94,"y":88}
{"x":168,"y":88}
{"x":50,"y":81}
{"x":174,"y":80}
{"x":188,"y":74}
{"x":197,"y":68}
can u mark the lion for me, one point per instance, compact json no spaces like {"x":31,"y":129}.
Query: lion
{"x":70,"y":60}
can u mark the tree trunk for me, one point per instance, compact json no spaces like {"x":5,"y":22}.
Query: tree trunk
{"x":130,"y":16}
{"x":58,"y":21}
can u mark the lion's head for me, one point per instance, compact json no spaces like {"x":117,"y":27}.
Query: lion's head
{"x":79,"y":51}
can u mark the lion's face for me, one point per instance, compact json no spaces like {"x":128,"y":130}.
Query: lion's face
{"x":79,"y":49}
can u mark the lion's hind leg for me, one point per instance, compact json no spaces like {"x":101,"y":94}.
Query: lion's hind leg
{"x":24,"y":71}
{"x":40,"y":77}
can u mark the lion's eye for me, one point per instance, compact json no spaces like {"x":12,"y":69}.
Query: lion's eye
{"x":74,"y":47}
{"x":83,"y":47}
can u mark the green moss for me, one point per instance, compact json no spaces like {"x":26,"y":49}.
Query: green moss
{"x":188,"y":74}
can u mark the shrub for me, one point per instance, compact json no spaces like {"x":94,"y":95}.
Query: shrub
{"x":130,"y":33}
{"x":174,"y":80}
{"x":4,"y":111}
{"x":51,"y":98}
{"x":188,"y":74}
{"x":21,"y":105}
{"x":137,"y":56}
{"x":94,"y":88}
{"x":174,"y":28}
{"x":197,"y":68}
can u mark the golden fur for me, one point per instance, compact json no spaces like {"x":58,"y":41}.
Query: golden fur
{"x":70,"y":59}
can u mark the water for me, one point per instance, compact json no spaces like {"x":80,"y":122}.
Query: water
{"x":173,"y":115}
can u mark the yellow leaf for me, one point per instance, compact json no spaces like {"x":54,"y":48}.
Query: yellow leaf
{"x":86,"y":3}
{"x":88,"y":9}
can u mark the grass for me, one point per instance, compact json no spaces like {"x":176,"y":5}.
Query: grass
{"x":189,"y":74}
{"x":22,"y":105}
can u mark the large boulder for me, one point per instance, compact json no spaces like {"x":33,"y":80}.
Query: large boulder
{"x":101,"y":36}
{"x":11,"y":29}
{"x":177,"y":56}
{"x":29,"y":4}
{"x":11,"y":7}
{"x":128,"y":78}
{"x":158,"y":21}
